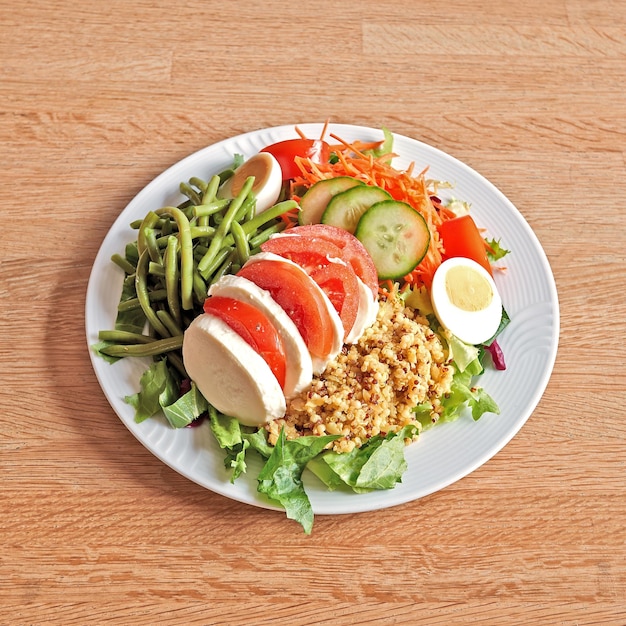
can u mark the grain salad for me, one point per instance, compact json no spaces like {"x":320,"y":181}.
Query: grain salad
{"x":372,"y":386}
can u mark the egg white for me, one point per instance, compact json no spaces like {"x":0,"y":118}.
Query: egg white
{"x":267,"y":186}
{"x":471,"y":327}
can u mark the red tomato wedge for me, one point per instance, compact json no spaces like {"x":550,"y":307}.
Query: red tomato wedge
{"x":353,"y":251}
{"x":253,"y":327}
{"x":294,"y":291}
{"x":286,"y":152}
{"x":461,"y":238}
{"x":338,"y":280}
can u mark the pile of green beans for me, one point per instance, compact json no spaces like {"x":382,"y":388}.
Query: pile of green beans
{"x":179,"y":253}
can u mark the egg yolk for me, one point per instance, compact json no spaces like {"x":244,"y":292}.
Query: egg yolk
{"x":467,"y":289}
{"x":258,"y":166}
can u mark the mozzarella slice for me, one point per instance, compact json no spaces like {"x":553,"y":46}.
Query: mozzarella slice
{"x":230,"y":374}
{"x":319,"y":363}
{"x":366,"y":315}
{"x":299,"y":370}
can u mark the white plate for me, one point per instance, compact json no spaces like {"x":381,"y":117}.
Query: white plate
{"x":444,"y":454}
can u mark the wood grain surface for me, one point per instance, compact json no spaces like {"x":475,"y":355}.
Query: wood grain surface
{"x":97,"y":98}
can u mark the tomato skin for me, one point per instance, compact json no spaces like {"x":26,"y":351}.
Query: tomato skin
{"x":254,"y":328}
{"x":353,"y":251}
{"x":339,"y":283}
{"x":306,"y":252}
{"x":294,"y":291}
{"x":338,"y":280}
{"x":286,"y":151}
{"x":461,"y":238}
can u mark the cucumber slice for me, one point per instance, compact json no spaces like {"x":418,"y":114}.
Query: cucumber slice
{"x":314,"y":201}
{"x":345,"y":209}
{"x":395,"y":235}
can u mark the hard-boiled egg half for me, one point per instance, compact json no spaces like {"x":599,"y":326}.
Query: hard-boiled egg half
{"x":466,"y":300}
{"x":268,"y":180}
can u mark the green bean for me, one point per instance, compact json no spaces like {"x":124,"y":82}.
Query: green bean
{"x":224,"y":267}
{"x":264,"y":217}
{"x":224,"y":227}
{"x":169,"y":322}
{"x":157,"y":295}
{"x":154,"y":348}
{"x":177,"y":362}
{"x":186,"y":254}
{"x":263,"y":235}
{"x":251,"y":212}
{"x":210,"y":208}
{"x":219,"y":258}
{"x":241,"y":242}
{"x":143,"y":296}
{"x":123,"y":336}
{"x":200,"y":232}
{"x":187,"y":190}
{"x":166,"y":228}
{"x":156,"y":269}
{"x":226,"y":174}
{"x":152,"y":246}
{"x":196,"y":232}
{"x":120,"y":261}
{"x":249,"y":206}
{"x":149,"y":222}
{"x":171,"y":277}
{"x":159,"y":225}
{"x":199,"y":286}
{"x":210,"y":191}
{"x":199,"y":183}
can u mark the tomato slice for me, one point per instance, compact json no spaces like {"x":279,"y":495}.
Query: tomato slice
{"x":353,"y":251}
{"x":338,"y":280}
{"x":293,"y":289}
{"x":461,"y":238}
{"x":286,"y":152}
{"x":254,"y":328}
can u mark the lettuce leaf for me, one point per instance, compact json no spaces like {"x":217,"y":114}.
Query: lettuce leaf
{"x":378,"y":464}
{"x":495,"y":251}
{"x":281,"y":477}
{"x":158,"y":388}
{"x":463,"y":395}
{"x":186,"y":409}
{"x":386,"y":147}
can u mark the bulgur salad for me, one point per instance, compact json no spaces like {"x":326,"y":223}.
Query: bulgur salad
{"x":315,"y":306}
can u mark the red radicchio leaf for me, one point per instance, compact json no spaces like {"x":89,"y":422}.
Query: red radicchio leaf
{"x":497,"y":356}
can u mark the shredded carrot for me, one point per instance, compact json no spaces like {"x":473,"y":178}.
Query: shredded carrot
{"x":290,"y":218}
{"x":353,"y":159}
{"x":386,"y":287}
{"x":324,"y":129}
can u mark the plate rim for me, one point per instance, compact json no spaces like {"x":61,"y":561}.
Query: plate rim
{"x":358,"y":503}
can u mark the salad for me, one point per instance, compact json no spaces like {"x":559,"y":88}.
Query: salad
{"x":424,"y":254}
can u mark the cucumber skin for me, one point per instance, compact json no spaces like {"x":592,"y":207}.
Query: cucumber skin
{"x":316,"y":199}
{"x":381,"y":216}
{"x":360,"y":197}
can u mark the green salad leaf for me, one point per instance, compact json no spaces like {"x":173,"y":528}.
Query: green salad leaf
{"x":386,"y":147}
{"x":377,"y":464}
{"x":495,"y":251}
{"x":186,"y":409}
{"x":463,"y":394}
{"x":158,"y":389}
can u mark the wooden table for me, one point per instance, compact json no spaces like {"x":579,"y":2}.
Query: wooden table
{"x":97,"y":99}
